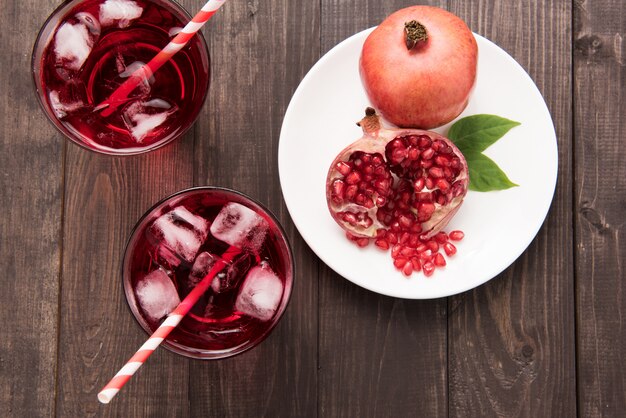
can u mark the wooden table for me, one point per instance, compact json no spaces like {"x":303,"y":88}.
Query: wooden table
{"x":545,"y":338}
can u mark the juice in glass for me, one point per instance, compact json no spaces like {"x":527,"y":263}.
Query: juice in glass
{"x":178,"y":241}
{"x":87,"y":48}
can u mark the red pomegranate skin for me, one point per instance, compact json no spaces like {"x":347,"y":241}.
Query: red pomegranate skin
{"x":429,"y":85}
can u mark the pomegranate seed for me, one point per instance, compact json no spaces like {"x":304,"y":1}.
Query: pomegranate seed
{"x":399,"y":262}
{"x":363,"y":242}
{"x":457,"y":189}
{"x":428,"y":268}
{"x":456,"y":235}
{"x":405,"y":221}
{"x":443,"y":185}
{"x":413,"y":240}
{"x":442,"y":161}
{"x":392,"y":237}
{"x":407,"y":252}
{"x":404,"y":238}
{"x":418,"y":184}
{"x":395,"y":251}
{"x":430,"y":183}
{"x":344,"y":167}
{"x":433,"y":246}
{"x":449,"y":248}
{"x":426,"y":163}
{"x":407,"y":270}
{"x":353,"y":177}
{"x":338,"y":187}
{"x":426,"y":255}
{"x":351,"y":192}
{"x":413,"y":154}
{"x":425,"y":142}
{"x":348,"y":217}
{"x":364,"y":219}
{"x":382,"y":185}
{"x":421,"y":248}
{"x":425,"y":211}
{"x":428,"y":154}
{"x":417,"y":264}
{"x":398,"y":155}
{"x":382,"y":244}
{"x":439,"y":260}
{"x":441,"y":237}
{"x":423,"y":196}
{"x":438,"y":145}
{"x":436,"y":172}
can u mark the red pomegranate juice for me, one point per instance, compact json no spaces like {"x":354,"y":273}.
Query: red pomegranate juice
{"x":177,"y":243}
{"x":95,"y":46}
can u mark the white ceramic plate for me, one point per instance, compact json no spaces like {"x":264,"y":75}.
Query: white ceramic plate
{"x":498,"y":226}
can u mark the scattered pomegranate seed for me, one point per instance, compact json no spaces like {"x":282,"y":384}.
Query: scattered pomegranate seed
{"x":428,"y":268}
{"x":407,"y":270}
{"x":456,"y":235}
{"x":449,"y":248}
{"x":438,"y":260}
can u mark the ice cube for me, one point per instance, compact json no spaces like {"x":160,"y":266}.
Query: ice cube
{"x":260,"y":293}
{"x":119,"y":12}
{"x":239,"y":226}
{"x":230,"y":277}
{"x":203,"y":264}
{"x":90,"y":22}
{"x":72,"y":45}
{"x":60,"y":108}
{"x":157,"y":294}
{"x":142,"y":117}
{"x":179,"y":235}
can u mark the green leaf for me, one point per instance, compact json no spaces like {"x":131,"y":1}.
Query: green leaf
{"x":485,"y":175}
{"x":477,"y":132}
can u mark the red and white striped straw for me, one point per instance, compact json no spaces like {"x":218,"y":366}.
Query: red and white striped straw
{"x":120,"y":95}
{"x":173,"y":319}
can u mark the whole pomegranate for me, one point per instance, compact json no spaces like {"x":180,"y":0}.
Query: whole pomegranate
{"x":405,"y":184}
{"x":418,"y":67}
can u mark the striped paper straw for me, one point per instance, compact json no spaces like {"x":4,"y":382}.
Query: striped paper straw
{"x":173,"y":319}
{"x":120,"y":94}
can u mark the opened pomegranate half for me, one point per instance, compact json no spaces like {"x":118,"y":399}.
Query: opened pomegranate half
{"x":400,"y":185}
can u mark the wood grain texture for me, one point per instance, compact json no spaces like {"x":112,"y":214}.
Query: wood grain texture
{"x":258,"y":59}
{"x":98,"y":332}
{"x":31,"y":189}
{"x":378,"y":356}
{"x":511,"y":341}
{"x":600,"y":204}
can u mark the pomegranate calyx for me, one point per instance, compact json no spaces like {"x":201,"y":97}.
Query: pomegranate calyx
{"x":415,"y":33}
{"x":371,"y":122}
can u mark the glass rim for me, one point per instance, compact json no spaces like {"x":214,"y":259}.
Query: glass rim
{"x":199,"y":354}
{"x":111,"y":151}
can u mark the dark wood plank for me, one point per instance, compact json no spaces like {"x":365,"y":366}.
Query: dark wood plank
{"x":31,"y":170}
{"x":98,"y":331}
{"x":511,"y":341}
{"x":260,"y":50}
{"x":600,"y":191}
{"x":378,"y":356}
